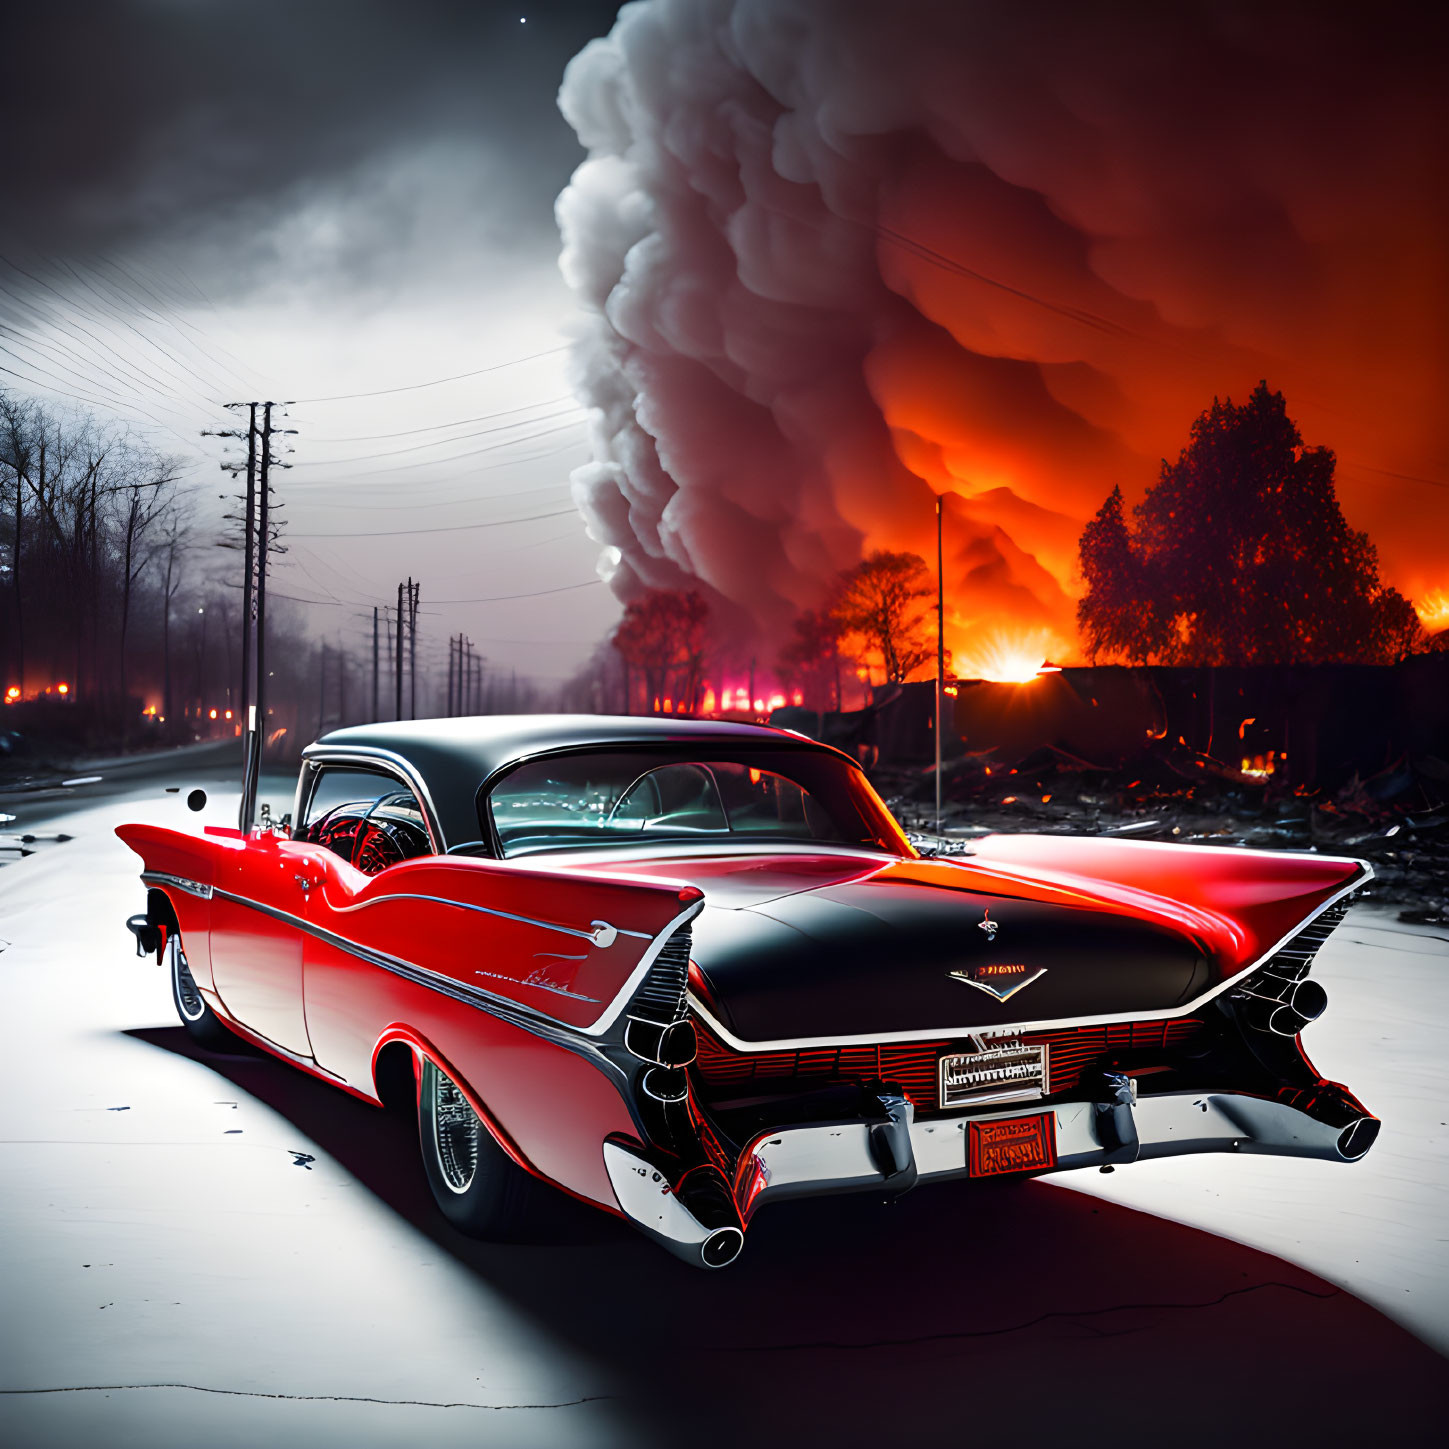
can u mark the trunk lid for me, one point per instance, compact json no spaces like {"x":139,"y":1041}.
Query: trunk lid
{"x":1029,"y":930}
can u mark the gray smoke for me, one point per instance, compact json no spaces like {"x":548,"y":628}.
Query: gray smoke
{"x":836,"y":256}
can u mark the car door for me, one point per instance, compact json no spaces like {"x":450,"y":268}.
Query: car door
{"x":258,"y":912}
{"x":347,"y":809}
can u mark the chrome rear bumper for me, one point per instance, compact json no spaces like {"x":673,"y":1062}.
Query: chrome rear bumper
{"x":839,"y":1157}
{"x":803,"y":1161}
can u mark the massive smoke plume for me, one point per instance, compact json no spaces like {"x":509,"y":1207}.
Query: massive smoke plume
{"x":837,"y":256}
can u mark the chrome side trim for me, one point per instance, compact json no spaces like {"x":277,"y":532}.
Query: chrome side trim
{"x":601,"y":933}
{"x":179,"y":882}
{"x":740,"y":1044}
{"x":512,"y":1011}
{"x":502,"y":1007}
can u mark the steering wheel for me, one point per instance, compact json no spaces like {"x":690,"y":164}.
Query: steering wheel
{"x":381,"y":842}
{"x":367,"y":843}
{"x":337,"y":829}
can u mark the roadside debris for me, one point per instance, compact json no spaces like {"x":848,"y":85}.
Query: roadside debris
{"x":1397,"y":819}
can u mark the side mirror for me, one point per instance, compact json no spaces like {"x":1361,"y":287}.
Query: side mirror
{"x":196,"y":800}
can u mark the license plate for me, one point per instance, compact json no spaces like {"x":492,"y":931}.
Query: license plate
{"x":1014,"y":1144}
{"x":1000,"y":1072}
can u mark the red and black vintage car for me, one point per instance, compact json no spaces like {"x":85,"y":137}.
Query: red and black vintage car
{"x":681,"y":969}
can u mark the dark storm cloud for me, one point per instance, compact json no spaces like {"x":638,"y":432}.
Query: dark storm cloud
{"x":353,"y":133}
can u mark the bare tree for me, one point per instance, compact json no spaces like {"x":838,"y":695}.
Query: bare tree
{"x":811,"y":658}
{"x":173,"y":545}
{"x":144,"y":499}
{"x":885,"y":601}
{"x":663,"y":634}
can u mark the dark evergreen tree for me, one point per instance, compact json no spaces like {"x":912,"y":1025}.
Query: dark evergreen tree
{"x":1241,"y":555}
{"x":1113,"y":616}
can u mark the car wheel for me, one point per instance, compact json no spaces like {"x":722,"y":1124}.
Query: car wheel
{"x":480,"y":1189}
{"x":202,"y":1024}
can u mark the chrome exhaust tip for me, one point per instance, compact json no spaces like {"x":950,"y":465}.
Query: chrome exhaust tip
{"x":1358,"y":1137}
{"x":1309,"y":1000}
{"x":1303,"y":1005}
{"x":721,"y":1248}
{"x":695,"y":1219}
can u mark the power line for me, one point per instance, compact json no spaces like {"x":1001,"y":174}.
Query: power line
{"x":177,"y":320}
{"x":317,"y":486}
{"x":439,"y":503}
{"x":76,"y":308}
{"x":441,"y":442}
{"x":390,"y":469}
{"x":88,"y":361}
{"x":437,"y":381}
{"x":536,"y":594}
{"x":188,"y":373}
{"x":438,"y":427}
{"x":443,"y":528}
{"x":219,"y":374}
{"x":1403,"y":477}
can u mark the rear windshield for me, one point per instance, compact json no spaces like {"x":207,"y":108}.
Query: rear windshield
{"x":615,"y":797}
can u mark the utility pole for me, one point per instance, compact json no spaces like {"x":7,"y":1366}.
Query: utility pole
{"x":413,"y":648}
{"x":387,"y":636}
{"x":452,"y":652}
{"x":322,"y":692}
{"x":374,"y":664}
{"x":249,"y":543}
{"x":265,"y":548}
{"x":398,"y":658}
{"x":264,"y":542}
{"x":249,"y":559}
{"x":940,"y":649}
{"x":257,"y":547}
{"x":341,"y":684}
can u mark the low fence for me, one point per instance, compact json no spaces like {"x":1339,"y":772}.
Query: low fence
{"x":1314,"y":726}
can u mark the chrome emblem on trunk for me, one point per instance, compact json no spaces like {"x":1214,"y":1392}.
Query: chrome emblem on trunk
{"x":996,"y":1070}
{"x":989,"y":926}
{"x":1001,"y":980}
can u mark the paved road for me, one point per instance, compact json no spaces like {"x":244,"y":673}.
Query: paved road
{"x":223,"y":1251}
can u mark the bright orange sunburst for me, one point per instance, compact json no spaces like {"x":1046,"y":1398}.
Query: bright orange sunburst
{"x":1433,"y":610}
{"x":1007,"y":658}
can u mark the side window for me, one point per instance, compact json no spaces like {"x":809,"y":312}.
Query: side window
{"x":367,"y":817}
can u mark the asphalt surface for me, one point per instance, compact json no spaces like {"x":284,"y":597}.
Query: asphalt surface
{"x":220,"y":1250}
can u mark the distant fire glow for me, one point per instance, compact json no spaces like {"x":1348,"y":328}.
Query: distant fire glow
{"x":1433,"y":610}
{"x":1007,"y":658}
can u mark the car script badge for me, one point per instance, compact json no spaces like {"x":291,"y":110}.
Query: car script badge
{"x":989,"y":926}
{"x":999,"y":979}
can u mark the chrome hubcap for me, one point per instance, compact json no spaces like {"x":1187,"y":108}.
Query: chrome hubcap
{"x":188,"y":997}
{"x":456,"y":1132}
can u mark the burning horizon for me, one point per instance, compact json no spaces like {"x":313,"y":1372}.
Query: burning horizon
{"x":835,"y":260}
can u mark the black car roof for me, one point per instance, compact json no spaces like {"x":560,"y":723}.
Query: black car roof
{"x":454,"y":757}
